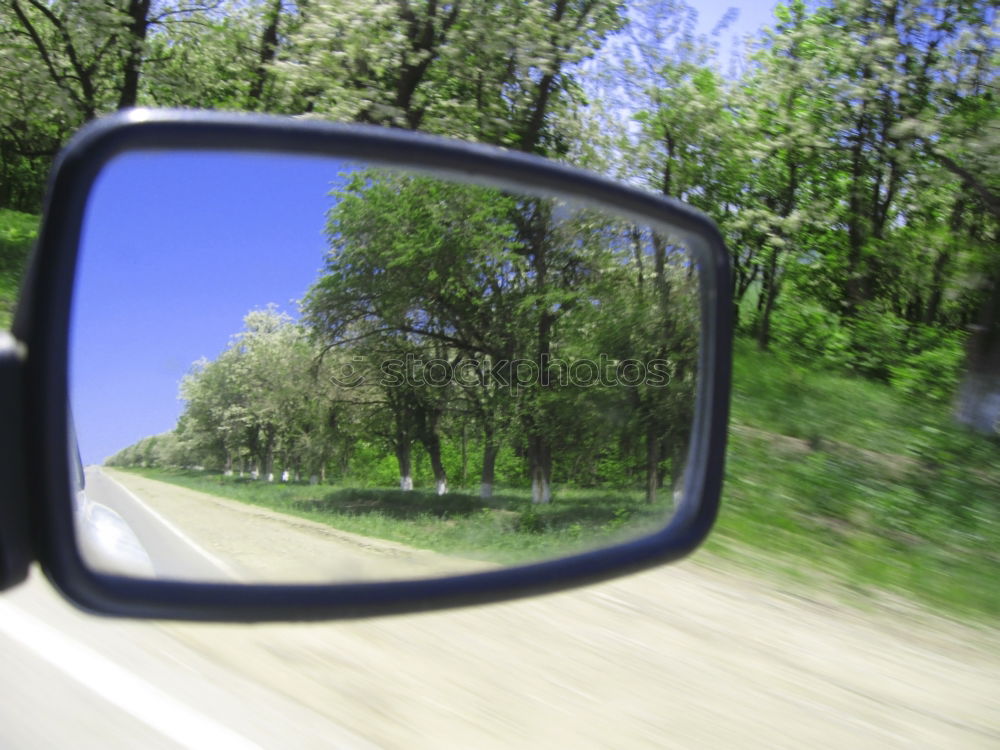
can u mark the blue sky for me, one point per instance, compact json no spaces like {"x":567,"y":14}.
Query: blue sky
{"x":177,"y":248}
{"x":753,"y":14}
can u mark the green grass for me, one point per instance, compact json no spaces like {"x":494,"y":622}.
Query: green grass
{"x":830,"y":479}
{"x":877,"y":490}
{"x":17,"y":235}
{"x":506,"y":528}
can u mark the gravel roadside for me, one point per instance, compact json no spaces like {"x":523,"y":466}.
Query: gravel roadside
{"x":688,"y":656}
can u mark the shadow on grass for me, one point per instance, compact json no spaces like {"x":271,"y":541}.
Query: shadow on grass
{"x":585,"y":507}
{"x":393,"y":503}
{"x":588,"y":508}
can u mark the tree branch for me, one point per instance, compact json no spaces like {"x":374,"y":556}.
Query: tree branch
{"x":989,"y":197}
{"x":57,"y":78}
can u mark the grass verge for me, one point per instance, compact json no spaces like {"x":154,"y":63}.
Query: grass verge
{"x":843,"y":478}
{"x":507,"y":528}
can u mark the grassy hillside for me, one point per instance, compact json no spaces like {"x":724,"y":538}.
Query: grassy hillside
{"x":847,"y":478}
{"x":17,"y":235}
{"x":830,"y":479}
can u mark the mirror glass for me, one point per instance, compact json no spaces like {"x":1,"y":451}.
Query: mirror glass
{"x":298,"y":369}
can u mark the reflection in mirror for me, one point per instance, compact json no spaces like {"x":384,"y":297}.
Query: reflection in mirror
{"x":291,"y":369}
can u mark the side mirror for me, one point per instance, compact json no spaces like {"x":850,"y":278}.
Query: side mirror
{"x":392,"y":372}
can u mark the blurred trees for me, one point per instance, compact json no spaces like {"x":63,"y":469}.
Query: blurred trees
{"x":852,"y":167}
{"x":499,"y":72}
{"x":852,"y":161}
{"x":17,"y":234}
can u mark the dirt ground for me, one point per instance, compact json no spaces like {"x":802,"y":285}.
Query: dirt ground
{"x":694,"y":655}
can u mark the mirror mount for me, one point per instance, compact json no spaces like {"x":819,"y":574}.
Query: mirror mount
{"x":15,"y":537}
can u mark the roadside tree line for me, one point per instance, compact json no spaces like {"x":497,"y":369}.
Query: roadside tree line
{"x":454,"y":319}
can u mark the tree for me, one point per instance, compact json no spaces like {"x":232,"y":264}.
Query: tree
{"x":63,"y":63}
{"x":223,"y":59}
{"x":404,"y":279}
{"x":650,"y":320}
{"x":506,"y":289}
{"x":488,"y":71}
{"x":260,"y":398}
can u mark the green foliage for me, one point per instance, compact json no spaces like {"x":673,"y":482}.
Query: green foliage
{"x":17,"y":236}
{"x":371,"y":466}
{"x":918,"y":360}
{"x":620,"y":519}
{"x":833,"y":166}
{"x":870,"y":490}
{"x":878,"y":341}
{"x":507,"y":294}
{"x":529,"y":521}
{"x":931,"y":370}
{"x":833,"y":162}
{"x":807,"y":332}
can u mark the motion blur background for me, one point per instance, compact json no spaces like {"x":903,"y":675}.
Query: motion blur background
{"x":848,"y":151}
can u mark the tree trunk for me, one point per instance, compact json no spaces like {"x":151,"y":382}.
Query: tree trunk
{"x":465,"y":457}
{"x":268,"y":50}
{"x":425,"y":39}
{"x":405,"y":467}
{"x":138,"y":12}
{"x":930,"y":312}
{"x":678,"y":463}
{"x":652,"y":463}
{"x":269,"y":464}
{"x":490,"y":451}
{"x":541,"y":487}
{"x":540,"y":466}
{"x":941,"y":264}
{"x":770,"y":293}
{"x":978,"y":404}
{"x":855,"y":288}
{"x":433,"y":445}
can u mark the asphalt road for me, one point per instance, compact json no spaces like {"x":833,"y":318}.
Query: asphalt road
{"x":189,"y":535}
{"x":72,"y":680}
{"x":695,"y":655}
{"x":172,"y":552}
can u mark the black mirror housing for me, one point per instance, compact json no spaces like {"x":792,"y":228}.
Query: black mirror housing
{"x":44,"y":430}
